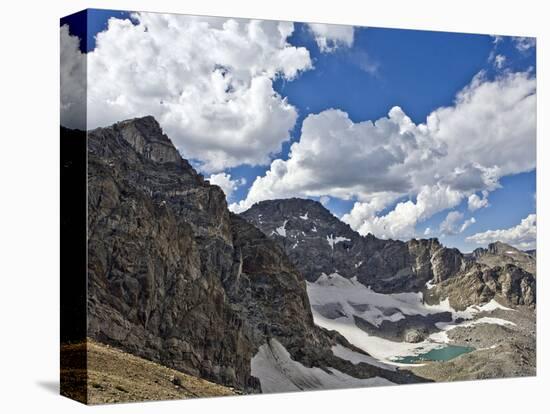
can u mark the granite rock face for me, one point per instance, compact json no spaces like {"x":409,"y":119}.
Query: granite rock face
{"x":174,"y":277}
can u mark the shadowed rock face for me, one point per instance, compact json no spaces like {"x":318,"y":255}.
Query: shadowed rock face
{"x":318,"y":242}
{"x":176,"y":278}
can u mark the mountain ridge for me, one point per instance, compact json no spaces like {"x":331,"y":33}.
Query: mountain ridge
{"x":319,"y":243}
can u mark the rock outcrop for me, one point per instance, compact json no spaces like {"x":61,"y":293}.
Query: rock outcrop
{"x":480,"y":283}
{"x":498,"y":254}
{"x":175,"y":278}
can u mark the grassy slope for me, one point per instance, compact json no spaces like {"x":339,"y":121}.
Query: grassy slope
{"x":116,"y":376}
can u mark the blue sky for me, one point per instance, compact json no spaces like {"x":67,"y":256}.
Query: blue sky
{"x":419,"y":71}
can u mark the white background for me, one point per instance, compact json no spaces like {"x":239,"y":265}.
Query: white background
{"x":29,"y":206}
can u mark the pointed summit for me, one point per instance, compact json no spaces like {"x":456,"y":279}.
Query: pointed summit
{"x":145,"y":135}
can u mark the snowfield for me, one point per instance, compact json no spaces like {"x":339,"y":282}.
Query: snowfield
{"x":335,"y":301}
{"x":356,"y":358}
{"x":278,"y":372}
{"x":281,"y":231}
{"x":332,"y":241}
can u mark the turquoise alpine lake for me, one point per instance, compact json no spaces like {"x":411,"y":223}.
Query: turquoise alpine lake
{"x":445,"y":353}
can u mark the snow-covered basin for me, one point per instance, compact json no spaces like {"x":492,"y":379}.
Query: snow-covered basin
{"x":351,"y":298}
{"x":278,"y":372}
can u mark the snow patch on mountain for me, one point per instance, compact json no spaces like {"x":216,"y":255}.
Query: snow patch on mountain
{"x":281,"y":231}
{"x":332,"y":241}
{"x":278,"y":372}
{"x":446,"y":327}
{"x":356,"y":358}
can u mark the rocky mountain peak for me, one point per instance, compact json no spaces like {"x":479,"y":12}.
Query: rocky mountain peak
{"x":145,"y":135}
{"x":499,"y":253}
{"x":318,"y":242}
{"x":501,"y":248}
{"x":293,"y":208}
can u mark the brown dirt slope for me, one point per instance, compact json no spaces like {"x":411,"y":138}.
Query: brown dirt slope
{"x":115,"y":376}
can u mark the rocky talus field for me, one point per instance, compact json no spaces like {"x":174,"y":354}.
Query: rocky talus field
{"x":188,"y":299}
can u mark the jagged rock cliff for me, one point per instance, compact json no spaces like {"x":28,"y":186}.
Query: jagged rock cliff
{"x":176,"y":278}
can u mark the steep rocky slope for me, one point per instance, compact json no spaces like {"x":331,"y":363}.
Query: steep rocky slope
{"x":175,"y":278}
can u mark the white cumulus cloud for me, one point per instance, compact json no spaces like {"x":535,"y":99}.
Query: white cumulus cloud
{"x":460,"y":150}
{"x":521,"y":236}
{"x":324,"y":200}
{"x":476,"y":202}
{"x":451,"y":224}
{"x":73,"y":81}
{"x":207,"y":80}
{"x":400,"y":223}
{"x":467,"y":223}
{"x":330,"y":37}
{"x":499,"y":61}
{"x":523,"y":44}
{"x":224,"y":181}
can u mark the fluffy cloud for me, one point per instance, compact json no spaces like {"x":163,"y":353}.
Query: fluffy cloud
{"x":73,"y":81}
{"x":523,"y":44}
{"x":467,"y":224}
{"x":451,"y":224}
{"x":224,"y":181}
{"x":208,"y":81}
{"x":462,"y":149}
{"x":522,"y":236}
{"x":330,"y":37}
{"x":476,"y":202}
{"x":401,"y":221}
{"x":499,"y":61}
{"x":324,"y":200}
